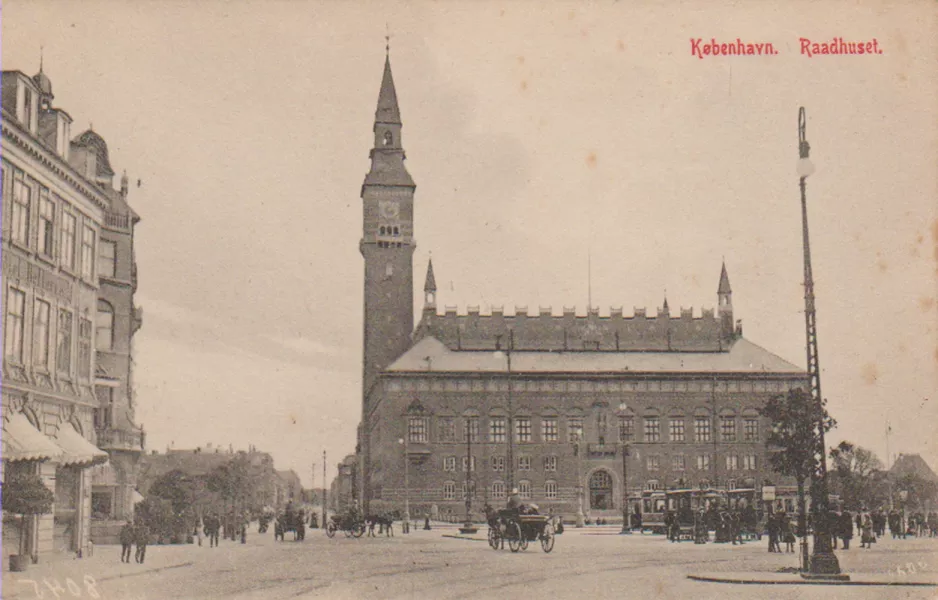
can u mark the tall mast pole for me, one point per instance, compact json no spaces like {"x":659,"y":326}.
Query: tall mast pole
{"x":823,"y":560}
{"x":325,"y":492}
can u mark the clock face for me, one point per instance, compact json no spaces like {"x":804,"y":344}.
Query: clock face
{"x":389,"y":209}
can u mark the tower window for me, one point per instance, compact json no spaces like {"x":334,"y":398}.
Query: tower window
{"x":388,"y":138}
{"x":396,"y":231}
{"x":381,"y":230}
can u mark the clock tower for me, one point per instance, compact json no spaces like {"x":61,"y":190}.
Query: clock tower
{"x":387,"y":243}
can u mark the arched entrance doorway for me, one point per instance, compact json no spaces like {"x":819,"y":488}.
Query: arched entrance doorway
{"x":600,"y":485}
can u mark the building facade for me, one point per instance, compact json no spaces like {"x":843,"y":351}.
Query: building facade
{"x":572,"y":409}
{"x":57,"y":202}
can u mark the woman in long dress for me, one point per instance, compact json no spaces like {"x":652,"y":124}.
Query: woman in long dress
{"x":866,"y":532}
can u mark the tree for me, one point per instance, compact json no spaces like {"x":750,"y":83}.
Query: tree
{"x":920,"y":491}
{"x":25,"y":494}
{"x":857,"y":475}
{"x":794,"y":443}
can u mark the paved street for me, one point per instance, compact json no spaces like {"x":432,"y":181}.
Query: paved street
{"x":593,"y":563}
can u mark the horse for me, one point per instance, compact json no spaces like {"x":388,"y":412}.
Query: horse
{"x":290,"y":521}
{"x":385,"y":525}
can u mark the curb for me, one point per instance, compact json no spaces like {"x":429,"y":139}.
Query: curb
{"x":148,"y":572}
{"x":462,"y":537}
{"x":799,"y":581}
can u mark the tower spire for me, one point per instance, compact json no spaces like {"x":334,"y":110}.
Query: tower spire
{"x":429,"y":288}
{"x":388,"y":111}
{"x":665,"y":307}
{"x":724,"y":287}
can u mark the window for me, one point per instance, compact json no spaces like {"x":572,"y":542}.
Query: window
{"x":652,"y":429}
{"x":471,"y":429}
{"x":104,"y":334}
{"x":703,"y":462}
{"x":549,"y":429}
{"x":732,"y":462}
{"x":16,"y":314}
{"x":63,"y":343}
{"x":417,"y":430}
{"x":626,"y":429}
{"x":46,"y":227}
{"x":449,"y":490}
{"x":107,"y":259}
{"x":449,"y":463}
{"x":388,"y":138}
{"x":749,"y":462}
{"x":84,"y":347}
{"x":751,"y":430}
{"x":28,"y":108}
{"x":87,"y":252}
{"x":524,"y":489}
{"x":524,"y":463}
{"x":575,"y":429}
{"x":550,"y":490}
{"x":447,"y":430}
{"x":652,"y":484}
{"x":104,"y":414}
{"x":523,"y":430}
{"x":467,"y":464}
{"x":69,"y":227}
{"x":731,"y":484}
{"x":676,"y":429}
{"x":497,"y":429}
{"x":653,"y":463}
{"x":41,"y":316}
{"x":498,"y":490}
{"x":498,"y":463}
{"x":20,"y":214}
{"x":702,"y":429}
{"x":550,"y":463}
{"x":677,"y":462}
{"x":728,"y":429}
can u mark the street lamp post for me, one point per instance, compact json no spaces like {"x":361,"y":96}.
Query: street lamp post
{"x":468,"y":527}
{"x":406,"y":525}
{"x":823,"y":561}
{"x":580,"y":519}
{"x":626,"y":515}
{"x":511,"y":425}
{"x":325,"y":492}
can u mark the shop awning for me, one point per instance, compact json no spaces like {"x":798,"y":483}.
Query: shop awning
{"x":76,"y":450}
{"x":22,"y":441}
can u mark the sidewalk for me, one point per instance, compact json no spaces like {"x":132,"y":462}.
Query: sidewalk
{"x":883,"y":579}
{"x":69,"y":574}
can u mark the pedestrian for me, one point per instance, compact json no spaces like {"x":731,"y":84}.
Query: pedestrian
{"x":866,"y":532}
{"x":787,"y":534}
{"x":141,"y":536}
{"x":772,"y":526}
{"x":127,"y":540}
{"x":846,"y":528}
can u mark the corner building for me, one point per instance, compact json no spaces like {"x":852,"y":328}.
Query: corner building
{"x":573,"y":391}
{"x":62,"y":254}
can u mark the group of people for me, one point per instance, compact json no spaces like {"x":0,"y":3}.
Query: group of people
{"x":778,"y":526}
{"x":134,"y":533}
{"x":728,"y":524}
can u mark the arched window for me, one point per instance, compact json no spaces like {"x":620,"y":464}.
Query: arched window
{"x":449,"y":490}
{"x":524,"y":489}
{"x":388,"y":138}
{"x":104,"y":334}
{"x":498,"y":490}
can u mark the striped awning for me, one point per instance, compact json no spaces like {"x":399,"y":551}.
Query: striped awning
{"x":76,"y":450}
{"x":22,"y":441}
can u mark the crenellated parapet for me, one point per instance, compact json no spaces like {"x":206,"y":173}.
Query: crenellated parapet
{"x":572,"y":330}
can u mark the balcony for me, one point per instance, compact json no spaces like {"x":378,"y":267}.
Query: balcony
{"x":120,"y":439}
{"x":600,"y":450}
{"x":116,"y":221}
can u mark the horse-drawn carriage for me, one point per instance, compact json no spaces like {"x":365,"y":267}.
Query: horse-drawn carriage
{"x":520,"y":527}
{"x":290,"y":520}
{"x":352,"y":523}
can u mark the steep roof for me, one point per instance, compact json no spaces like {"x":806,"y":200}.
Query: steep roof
{"x":724,"y":282}
{"x":430,"y":285}
{"x":387,"y":111}
{"x":913,"y":463}
{"x":743,"y":357}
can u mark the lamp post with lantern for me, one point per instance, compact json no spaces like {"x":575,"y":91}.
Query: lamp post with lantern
{"x":406,"y":525}
{"x":511,"y":451}
{"x":623,"y":442}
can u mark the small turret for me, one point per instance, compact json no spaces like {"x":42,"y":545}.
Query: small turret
{"x":125,"y":184}
{"x":429,"y":289}
{"x":725,"y":304}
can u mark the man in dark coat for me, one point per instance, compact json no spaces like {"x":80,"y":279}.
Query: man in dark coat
{"x":127,"y":540}
{"x":141,"y":537}
{"x":846,"y":528}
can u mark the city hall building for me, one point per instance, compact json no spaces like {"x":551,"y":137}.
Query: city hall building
{"x":68,"y":281}
{"x":572,"y":409}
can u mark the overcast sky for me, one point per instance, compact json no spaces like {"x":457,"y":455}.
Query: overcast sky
{"x":537,"y":135}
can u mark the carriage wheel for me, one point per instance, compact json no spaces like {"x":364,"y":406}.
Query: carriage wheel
{"x":494,"y":538}
{"x":359,"y":530}
{"x":547,"y":537}
{"x":330,"y":529}
{"x":513,"y":533}
{"x":524,"y":542}
{"x":349,"y":533}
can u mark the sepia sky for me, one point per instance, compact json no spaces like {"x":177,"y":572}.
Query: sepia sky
{"x":539,"y":134}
